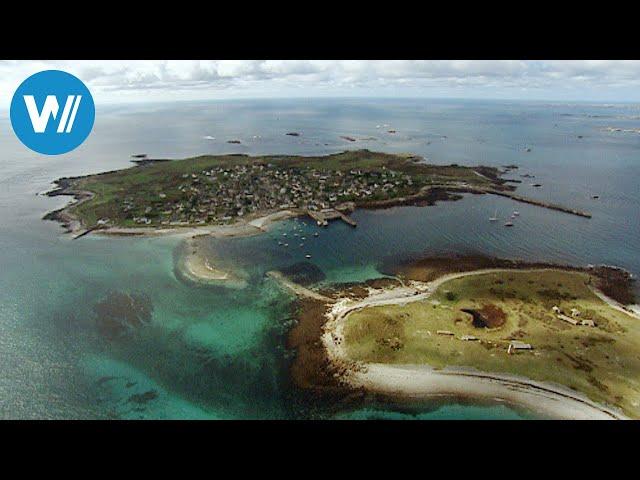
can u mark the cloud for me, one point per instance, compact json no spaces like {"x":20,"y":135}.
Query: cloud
{"x":131,"y":81}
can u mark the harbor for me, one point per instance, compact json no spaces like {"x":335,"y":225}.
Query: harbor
{"x":322,"y":217}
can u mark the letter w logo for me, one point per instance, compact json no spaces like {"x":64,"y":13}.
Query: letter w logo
{"x":39,"y":120}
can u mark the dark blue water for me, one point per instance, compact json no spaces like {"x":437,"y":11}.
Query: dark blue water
{"x":217,"y":353}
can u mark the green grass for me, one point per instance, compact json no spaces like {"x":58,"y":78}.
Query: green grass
{"x":602,"y":362}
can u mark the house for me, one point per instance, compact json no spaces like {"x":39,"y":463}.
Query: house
{"x":468,"y":338}
{"x":588,"y":323}
{"x":556,"y":309}
{"x":575,"y":312}
{"x":518,"y":345}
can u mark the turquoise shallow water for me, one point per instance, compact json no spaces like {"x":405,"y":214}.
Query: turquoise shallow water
{"x":209,"y":352}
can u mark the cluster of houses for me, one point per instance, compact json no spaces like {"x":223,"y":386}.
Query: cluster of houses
{"x":573,"y":318}
{"x":223,"y":193}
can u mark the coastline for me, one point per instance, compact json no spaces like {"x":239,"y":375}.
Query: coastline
{"x":257,"y":223}
{"x":411,"y":383}
{"x":73,"y":225}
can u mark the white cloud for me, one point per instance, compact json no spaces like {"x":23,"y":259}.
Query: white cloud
{"x":129,"y":81}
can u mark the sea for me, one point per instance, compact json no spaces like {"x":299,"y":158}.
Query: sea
{"x":218,"y":353}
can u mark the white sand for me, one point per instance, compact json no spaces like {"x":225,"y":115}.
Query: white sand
{"x":199,"y":267}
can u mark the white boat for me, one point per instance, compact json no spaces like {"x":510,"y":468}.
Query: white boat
{"x":516,"y":213}
{"x":508,"y":224}
{"x":495,"y":217}
{"x":307,"y":256}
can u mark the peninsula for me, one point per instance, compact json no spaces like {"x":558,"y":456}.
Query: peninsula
{"x":240,"y":194}
{"x":538,"y":336}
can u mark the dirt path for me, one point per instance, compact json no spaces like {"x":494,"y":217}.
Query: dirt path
{"x":296,"y":287}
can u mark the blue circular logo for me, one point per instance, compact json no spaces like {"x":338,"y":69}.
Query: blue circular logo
{"x":52,"y":112}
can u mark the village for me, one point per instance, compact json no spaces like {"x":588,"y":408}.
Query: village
{"x":222,"y":194}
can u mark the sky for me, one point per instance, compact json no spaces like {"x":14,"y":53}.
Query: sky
{"x":129,"y":81}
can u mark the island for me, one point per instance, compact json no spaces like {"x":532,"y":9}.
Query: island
{"x":556,"y":340}
{"x":247,"y":193}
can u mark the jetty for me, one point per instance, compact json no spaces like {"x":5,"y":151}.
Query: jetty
{"x":515,"y":197}
{"x":87,"y":231}
{"x":539,"y":203}
{"x":296,"y":288}
{"x":322,"y":217}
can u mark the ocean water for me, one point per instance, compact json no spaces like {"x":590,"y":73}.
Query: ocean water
{"x":209,"y":352}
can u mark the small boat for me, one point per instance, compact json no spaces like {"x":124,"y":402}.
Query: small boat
{"x":508,"y":224}
{"x":307,"y":256}
{"x":495,"y":217}
{"x":316,"y":234}
{"x":286,"y":244}
{"x":301,"y":245}
{"x":516,"y":213}
{"x":284,"y":234}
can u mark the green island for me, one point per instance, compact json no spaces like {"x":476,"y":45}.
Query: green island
{"x":545,"y":333}
{"x":226,"y":189}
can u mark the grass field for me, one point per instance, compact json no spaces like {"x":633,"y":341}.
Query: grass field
{"x":143,"y":184}
{"x":603,"y":361}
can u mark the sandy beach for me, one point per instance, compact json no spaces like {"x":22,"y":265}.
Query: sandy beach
{"x":198,"y":266}
{"x":242,"y":228}
{"x":422,"y":382}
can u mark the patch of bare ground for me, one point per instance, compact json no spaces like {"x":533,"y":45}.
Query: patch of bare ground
{"x":489,"y":316}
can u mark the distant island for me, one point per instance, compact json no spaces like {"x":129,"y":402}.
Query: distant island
{"x":556,"y":340}
{"x":240,"y":194}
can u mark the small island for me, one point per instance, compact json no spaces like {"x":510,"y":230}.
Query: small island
{"x":543,"y":337}
{"x":214,"y":193}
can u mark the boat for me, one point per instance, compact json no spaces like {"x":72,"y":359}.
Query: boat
{"x":508,"y":224}
{"x":495,"y":216}
{"x":316,"y":234}
{"x":516,"y":213}
{"x":307,"y":256}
